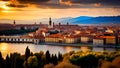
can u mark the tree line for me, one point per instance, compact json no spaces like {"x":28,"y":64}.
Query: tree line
{"x":72,"y":59}
{"x":16,"y":31}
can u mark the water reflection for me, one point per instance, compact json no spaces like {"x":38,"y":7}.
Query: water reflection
{"x":7,"y":48}
{"x":84,"y":48}
{"x":4,"y":48}
{"x":68,"y":48}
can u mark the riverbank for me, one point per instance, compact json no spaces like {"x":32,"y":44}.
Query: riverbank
{"x":80,"y":44}
{"x":71,"y":59}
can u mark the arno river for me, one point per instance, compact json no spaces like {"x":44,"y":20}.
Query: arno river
{"x":7,"y":48}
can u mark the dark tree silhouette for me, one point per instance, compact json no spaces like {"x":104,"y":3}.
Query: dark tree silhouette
{"x":27,"y":53}
{"x":7,"y":62}
{"x":60,"y":58}
{"x":19,"y":62}
{"x":89,"y":61}
{"x":54,"y":59}
{"x":2,"y":63}
{"x":47,"y":57}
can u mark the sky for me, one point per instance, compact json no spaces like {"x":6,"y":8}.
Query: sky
{"x":37,"y":9}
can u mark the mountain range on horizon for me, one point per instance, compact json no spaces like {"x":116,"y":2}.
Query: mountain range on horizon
{"x":71,"y":20}
{"x":94,"y":20}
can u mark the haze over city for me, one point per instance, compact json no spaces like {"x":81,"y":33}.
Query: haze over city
{"x":38,"y":9}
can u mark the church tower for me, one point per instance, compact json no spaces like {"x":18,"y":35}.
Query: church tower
{"x":14,"y":22}
{"x":50,"y":23}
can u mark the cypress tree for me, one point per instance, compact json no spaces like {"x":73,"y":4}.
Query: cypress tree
{"x":47,"y":57}
{"x":2,"y":63}
{"x":27,"y":53}
{"x":60,"y":58}
{"x":55,"y":61}
{"x":8,"y":63}
{"x":18,"y":62}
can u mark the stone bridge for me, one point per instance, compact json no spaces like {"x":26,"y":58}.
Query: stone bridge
{"x":17,"y":39}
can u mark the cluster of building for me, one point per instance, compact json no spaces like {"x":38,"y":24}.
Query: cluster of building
{"x":20,"y":26}
{"x":68,"y":33}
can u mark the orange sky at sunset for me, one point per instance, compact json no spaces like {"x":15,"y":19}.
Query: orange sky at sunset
{"x":36,"y":9}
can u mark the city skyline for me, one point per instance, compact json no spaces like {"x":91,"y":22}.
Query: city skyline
{"x":36,"y":9}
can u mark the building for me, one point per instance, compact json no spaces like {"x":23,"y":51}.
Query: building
{"x":98,"y":41}
{"x":50,"y":25}
{"x":56,"y":38}
{"x":72,"y":39}
{"x":60,"y":38}
{"x":110,"y":40}
{"x":86,"y":39}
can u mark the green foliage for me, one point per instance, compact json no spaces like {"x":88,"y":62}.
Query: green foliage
{"x":72,"y":59}
{"x":16,"y":31}
{"x":31,"y":62}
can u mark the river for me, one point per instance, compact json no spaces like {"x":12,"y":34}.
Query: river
{"x":7,"y":48}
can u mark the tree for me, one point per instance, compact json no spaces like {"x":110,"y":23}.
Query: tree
{"x":40,"y":61}
{"x":13,"y":58}
{"x":60,"y":58}
{"x":47,"y":57}
{"x":32,"y":62}
{"x":27,"y":53}
{"x":88,"y":61}
{"x":54,"y":59}
{"x":2,"y":63}
{"x":7,"y":63}
{"x":19,"y":62}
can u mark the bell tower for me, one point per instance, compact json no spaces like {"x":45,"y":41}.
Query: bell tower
{"x":14,"y":22}
{"x":50,"y":22}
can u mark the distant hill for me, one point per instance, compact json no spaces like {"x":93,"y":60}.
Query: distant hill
{"x":95,"y":20}
{"x":76,"y":20}
{"x":81,"y":18}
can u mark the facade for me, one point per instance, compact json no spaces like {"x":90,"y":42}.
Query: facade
{"x":110,"y":40}
{"x":86,"y":39}
{"x":71,"y":39}
{"x":59,"y":38}
{"x":98,"y":41}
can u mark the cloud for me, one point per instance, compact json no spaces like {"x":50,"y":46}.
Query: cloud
{"x":33,"y":1}
{"x":103,"y":2}
{"x":62,"y":4}
{"x":16,"y":5}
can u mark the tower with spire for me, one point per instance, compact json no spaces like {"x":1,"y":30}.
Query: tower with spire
{"x":50,"y":23}
{"x":14,"y":22}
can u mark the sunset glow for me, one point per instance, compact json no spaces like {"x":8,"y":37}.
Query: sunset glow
{"x":3,"y":47}
{"x":29,"y":10}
